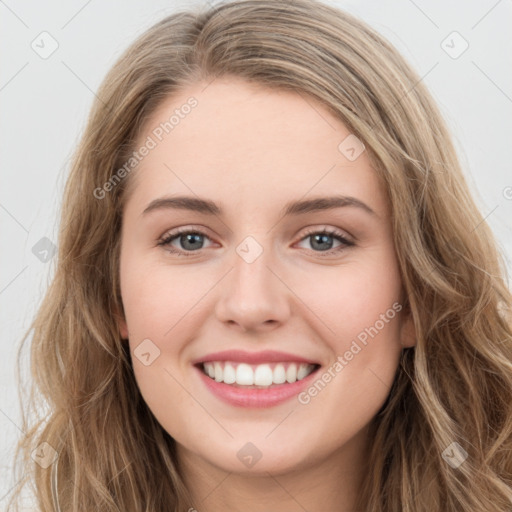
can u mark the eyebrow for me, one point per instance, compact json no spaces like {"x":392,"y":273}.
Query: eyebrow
{"x":208,"y":207}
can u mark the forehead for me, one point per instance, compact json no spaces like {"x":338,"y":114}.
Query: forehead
{"x":242,"y":142}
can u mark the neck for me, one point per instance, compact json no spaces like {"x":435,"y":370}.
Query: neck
{"x":330,"y":483}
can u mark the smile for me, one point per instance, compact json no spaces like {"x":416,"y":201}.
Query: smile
{"x":260,"y":379}
{"x":257,"y":376}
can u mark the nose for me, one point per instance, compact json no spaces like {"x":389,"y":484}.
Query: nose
{"x":253,"y":297}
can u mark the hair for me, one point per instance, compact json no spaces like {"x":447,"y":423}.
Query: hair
{"x":453,"y":386}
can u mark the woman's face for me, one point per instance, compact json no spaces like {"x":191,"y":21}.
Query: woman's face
{"x":250,"y":289}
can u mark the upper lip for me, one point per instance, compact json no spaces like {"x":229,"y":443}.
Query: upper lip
{"x":265,"y":356}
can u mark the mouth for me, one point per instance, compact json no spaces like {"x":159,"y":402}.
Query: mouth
{"x":257,"y":376}
{"x":261,"y":379}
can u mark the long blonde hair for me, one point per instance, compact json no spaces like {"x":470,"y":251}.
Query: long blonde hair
{"x":452,"y":395}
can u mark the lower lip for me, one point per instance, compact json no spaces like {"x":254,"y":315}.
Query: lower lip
{"x":252,"y":397}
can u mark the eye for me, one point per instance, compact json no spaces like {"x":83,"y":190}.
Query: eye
{"x":190,"y":240}
{"x":322,"y":241}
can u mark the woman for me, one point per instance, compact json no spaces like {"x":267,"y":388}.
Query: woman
{"x":202,"y":349}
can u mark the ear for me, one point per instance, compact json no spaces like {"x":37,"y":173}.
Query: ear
{"x":121,"y":324}
{"x":407,"y":330}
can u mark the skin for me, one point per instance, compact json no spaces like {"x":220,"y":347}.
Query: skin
{"x":250,"y":150}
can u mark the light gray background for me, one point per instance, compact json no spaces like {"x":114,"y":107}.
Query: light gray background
{"x":44,"y":104}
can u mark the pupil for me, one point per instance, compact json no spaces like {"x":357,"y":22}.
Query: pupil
{"x":323,"y":240}
{"x":190,"y":239}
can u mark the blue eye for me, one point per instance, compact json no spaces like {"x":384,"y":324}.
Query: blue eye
{"x":192,"y":240}
{"x":323,"y":241}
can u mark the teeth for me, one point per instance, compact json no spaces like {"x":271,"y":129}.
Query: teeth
{"x":244,"y":375}
{"x":279,"y":375}
{"x":302,"y":372}
{"x":263,"y":375}
{"x":229,"y":374}
{"x":291,"y":373}
{"x":218,"y":372}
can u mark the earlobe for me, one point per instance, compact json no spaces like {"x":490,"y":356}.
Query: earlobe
{"x":123,"y":329}
{"x":407,"y":332}
{"x":121,"y":324}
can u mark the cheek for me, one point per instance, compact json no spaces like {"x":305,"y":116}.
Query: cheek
{"x":156,"y":297}
{"x":158,"y":303}
{"x":362,"y":311}
{"x":353,"y":298}
{"x":162,"y":305}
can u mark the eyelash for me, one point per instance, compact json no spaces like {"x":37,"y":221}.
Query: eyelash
{"x":168,"y":238}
